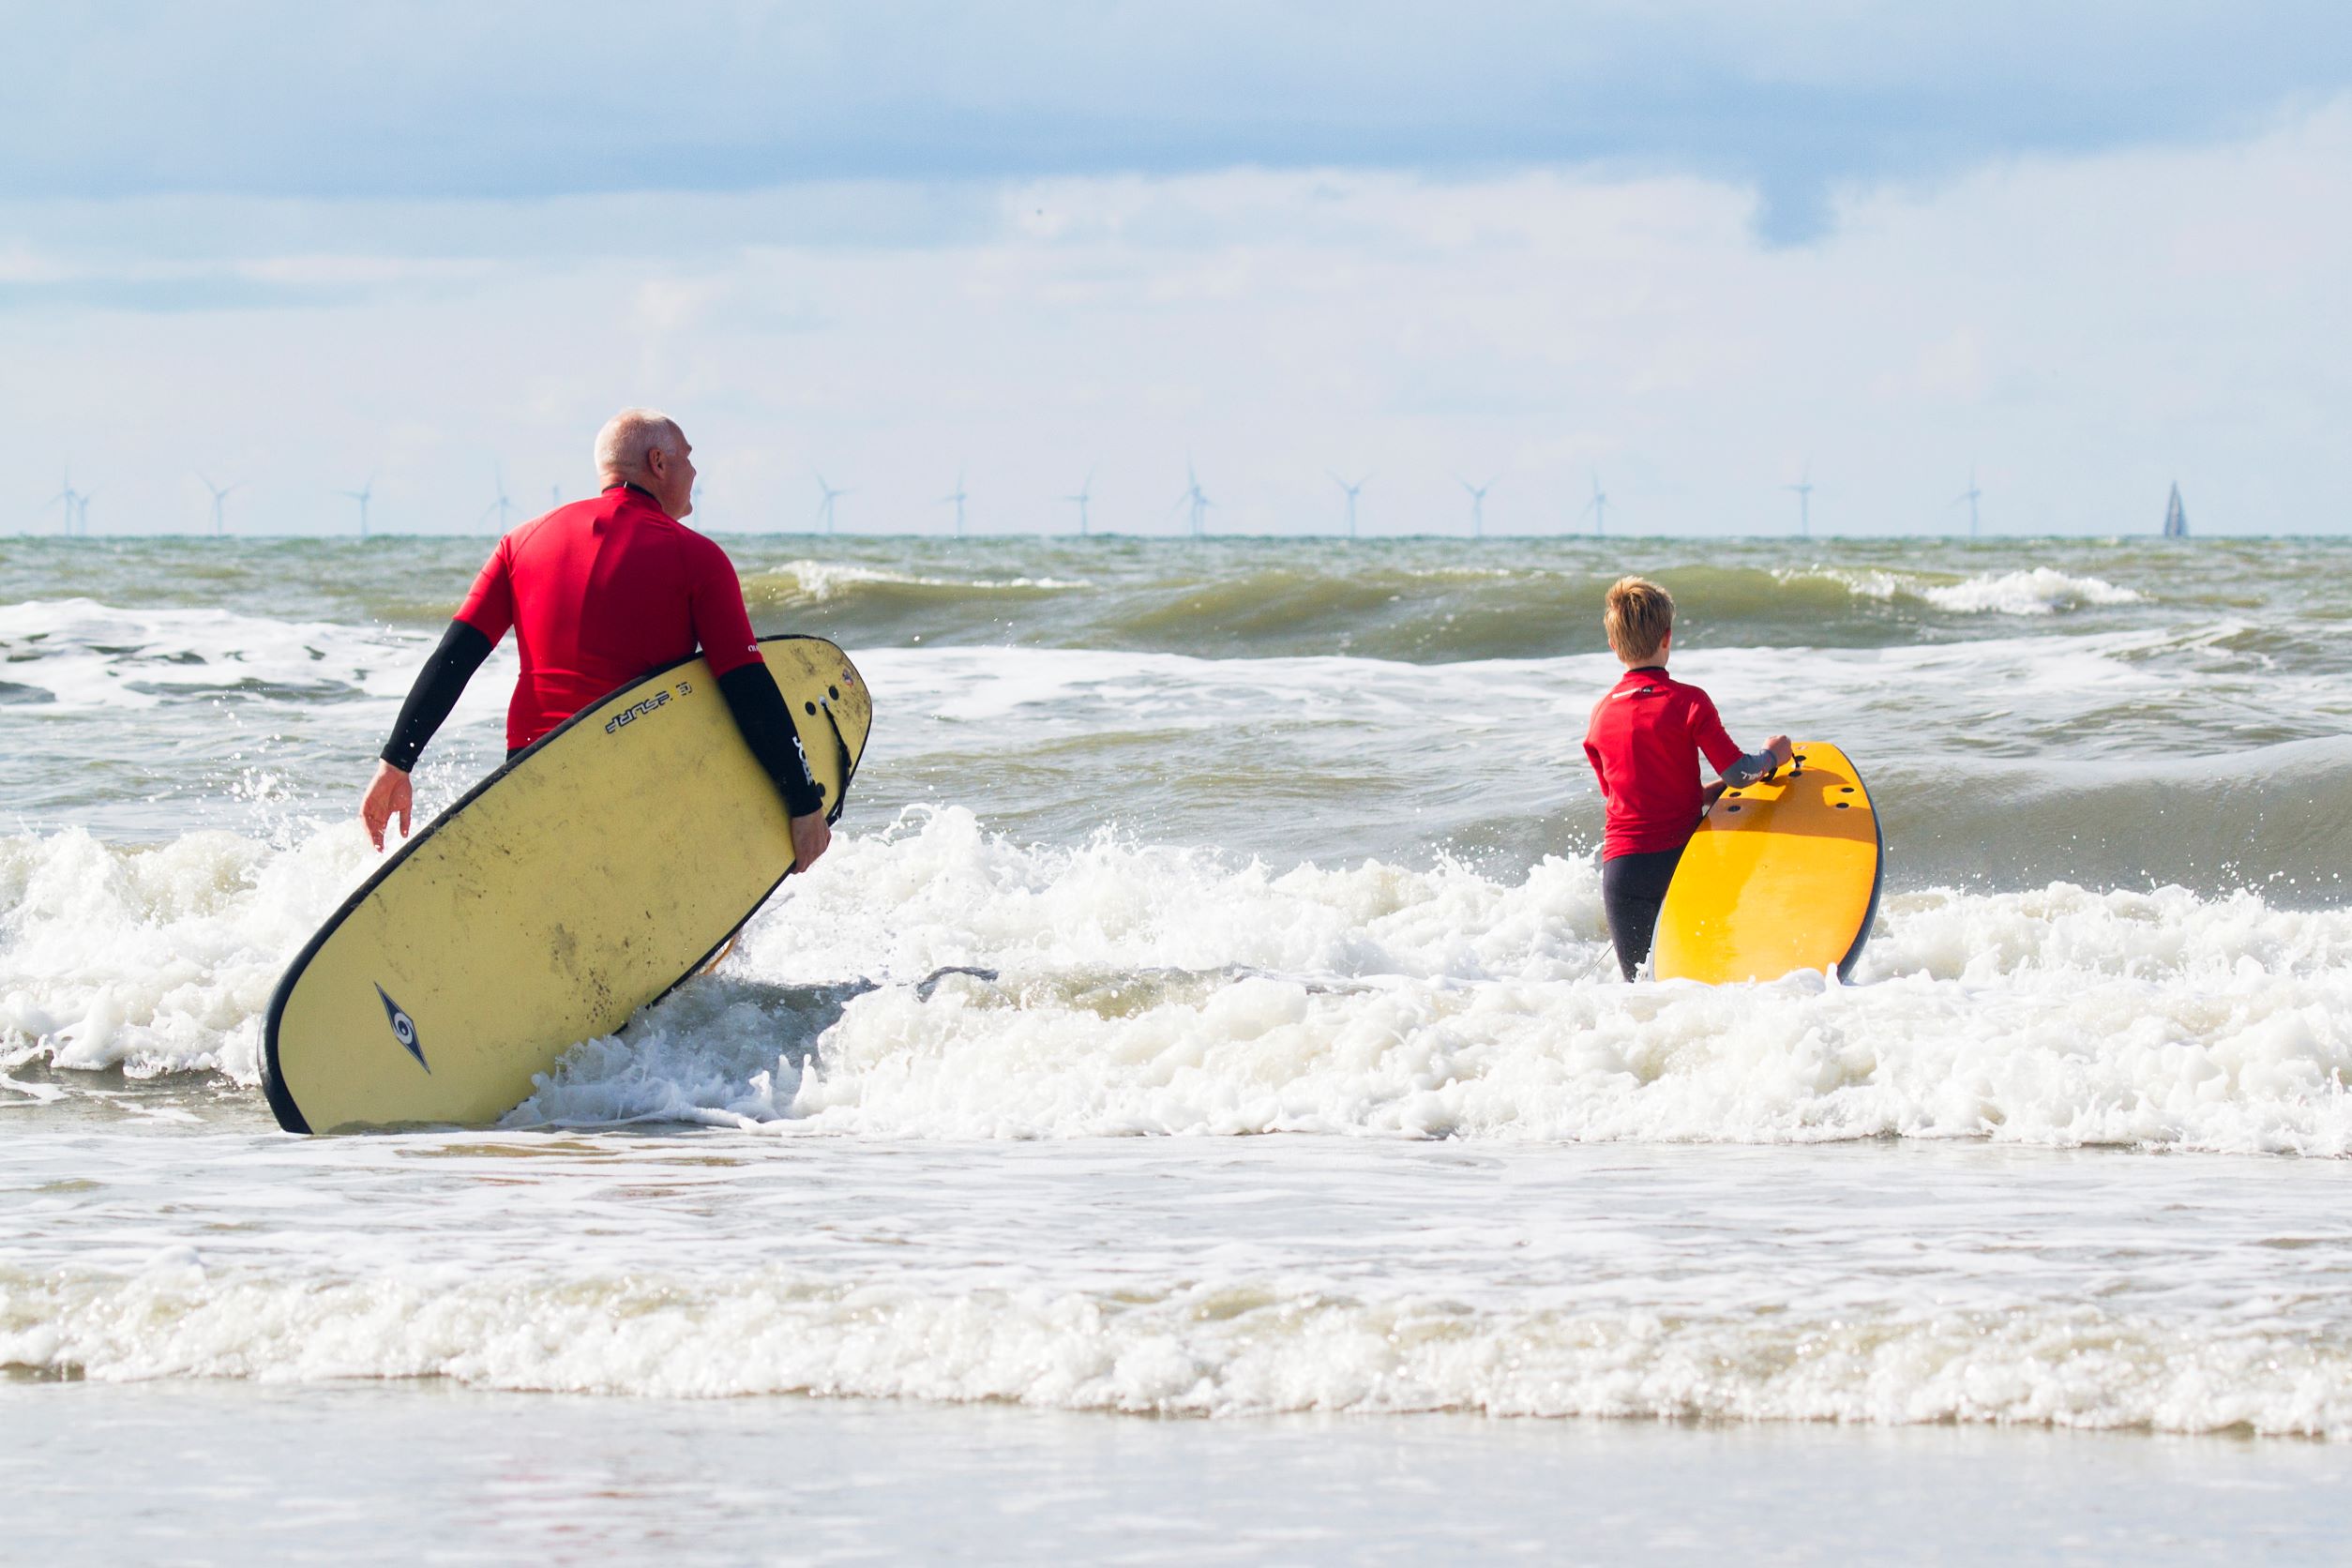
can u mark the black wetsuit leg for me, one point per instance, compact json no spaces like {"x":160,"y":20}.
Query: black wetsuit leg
{"x":1633,"y":886}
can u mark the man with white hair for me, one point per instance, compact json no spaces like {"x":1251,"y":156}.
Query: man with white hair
{"x":600,"y":592}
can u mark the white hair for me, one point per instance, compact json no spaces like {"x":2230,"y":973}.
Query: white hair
{"x":630,"y":436}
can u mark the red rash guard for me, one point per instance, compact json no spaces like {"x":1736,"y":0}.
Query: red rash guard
{"x":610,"y":589}
{"x":1644,"y":742}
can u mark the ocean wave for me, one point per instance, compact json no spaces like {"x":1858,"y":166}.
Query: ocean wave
{"x":935,"y":980}
{"x":78,"y":654}
{"x":1111,"y":991}
{"x":2035,"y":591}
{"x":157,"y":959}
{"x":73,"y":655}
{"x":1236,"y":1346}
{"x":819,"y":582}
{"x":2038,"y":592}
{"x":1322,"y":602}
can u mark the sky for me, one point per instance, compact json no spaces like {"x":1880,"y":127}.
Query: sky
{"x":1692,"y":254}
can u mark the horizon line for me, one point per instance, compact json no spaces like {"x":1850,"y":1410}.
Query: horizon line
{"x":375,"y":537}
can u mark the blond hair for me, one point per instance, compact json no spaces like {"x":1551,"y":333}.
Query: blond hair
{"x":1638,"y":614}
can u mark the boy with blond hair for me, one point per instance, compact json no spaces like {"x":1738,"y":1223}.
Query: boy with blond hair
{"x":1645,"y":741}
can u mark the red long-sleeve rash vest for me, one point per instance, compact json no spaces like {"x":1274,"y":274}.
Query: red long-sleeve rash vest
{"x":1644,"y":743}
{"x":598,"y":593}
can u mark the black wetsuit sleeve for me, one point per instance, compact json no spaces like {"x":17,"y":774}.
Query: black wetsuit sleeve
{"x":767,"y":726}
{"x":438,"y":685}
{"x":1750,"y":768}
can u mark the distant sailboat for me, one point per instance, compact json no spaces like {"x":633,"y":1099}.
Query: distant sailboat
{"x":2175,"y":515}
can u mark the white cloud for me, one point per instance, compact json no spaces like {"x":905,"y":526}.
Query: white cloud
{"x":2084,"y":329}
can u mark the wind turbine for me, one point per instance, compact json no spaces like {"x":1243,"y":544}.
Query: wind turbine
{"x":956,"y":499}
{"x":554,"y":495}
{"x":1802,"y":490}
{"x":1194,"y":497}
{"x":1969,"y":496}
{"x":1353,"y":490}
{"x":1478,"y":505}
{"x":1598,"y":507}
{"x":502,"y":506}
{"x":825,"y":507}
{"x":1085,"y":494}
{"x":361,"y":495}
{"x":220,"y":494}
{"x":76,"y":503}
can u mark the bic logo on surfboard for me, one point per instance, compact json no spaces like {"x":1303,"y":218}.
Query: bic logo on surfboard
{"x":404,"y":1030}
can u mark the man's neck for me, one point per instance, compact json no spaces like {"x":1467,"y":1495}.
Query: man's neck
{"x":612,"y":484}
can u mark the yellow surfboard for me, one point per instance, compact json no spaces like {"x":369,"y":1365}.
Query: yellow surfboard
{"x":573,"y":886}
{"x":1782,"y":876}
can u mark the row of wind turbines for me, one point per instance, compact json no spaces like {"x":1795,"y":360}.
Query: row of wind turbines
{"x":502,"y":508}
{"x":1197,"y":503}
{"x":77,"y":504}
{"x":1193,"y":501}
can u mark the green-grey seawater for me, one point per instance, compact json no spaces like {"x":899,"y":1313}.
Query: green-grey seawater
{"x":2117,"y":713}
{"x":1162,"y":847}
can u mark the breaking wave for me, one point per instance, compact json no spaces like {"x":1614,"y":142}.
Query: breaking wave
{"x":935,"y":980}
{"x":1241,"y":1346}
{"x":2036,"y":591}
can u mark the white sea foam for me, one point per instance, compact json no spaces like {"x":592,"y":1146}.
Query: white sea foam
{"x":1113,"y":988}
{"x":157,"y":959}
{"x":86,"y":654}
{"x":2038,"y":592}
{"x":1123,"y":990}
{"x":1883,"y":1284}
{"x":2035,"y":591}
{"x":1238,"y":1347}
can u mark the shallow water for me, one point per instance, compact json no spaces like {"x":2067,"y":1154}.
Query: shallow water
{"x":1206,"y":1012}
{"x":1879,"y":1283}
{"x":199,"y":1473}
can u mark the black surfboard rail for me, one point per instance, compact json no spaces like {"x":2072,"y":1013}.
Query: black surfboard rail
{"x":1878,"y":877}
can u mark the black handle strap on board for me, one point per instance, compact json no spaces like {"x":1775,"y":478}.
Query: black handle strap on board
{"x":848,"y":766}
{"x":767,"y":728}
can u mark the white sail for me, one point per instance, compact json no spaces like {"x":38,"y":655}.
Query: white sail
{"x":2175,"y":515}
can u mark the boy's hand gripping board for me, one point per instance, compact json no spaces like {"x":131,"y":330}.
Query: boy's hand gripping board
{"x":1782,"y":876}
{"x":571,"y":888}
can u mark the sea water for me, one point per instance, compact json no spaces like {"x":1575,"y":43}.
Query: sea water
{"x":1205,"y":1012}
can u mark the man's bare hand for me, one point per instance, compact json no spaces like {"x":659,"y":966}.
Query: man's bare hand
{"x":388,"y":793}
{"x":811,"y":837}
{"x":1782,"y":753}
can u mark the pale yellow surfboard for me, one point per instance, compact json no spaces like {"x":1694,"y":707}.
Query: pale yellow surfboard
{"x":572,"y":887}
{"x":1782,"y":876}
